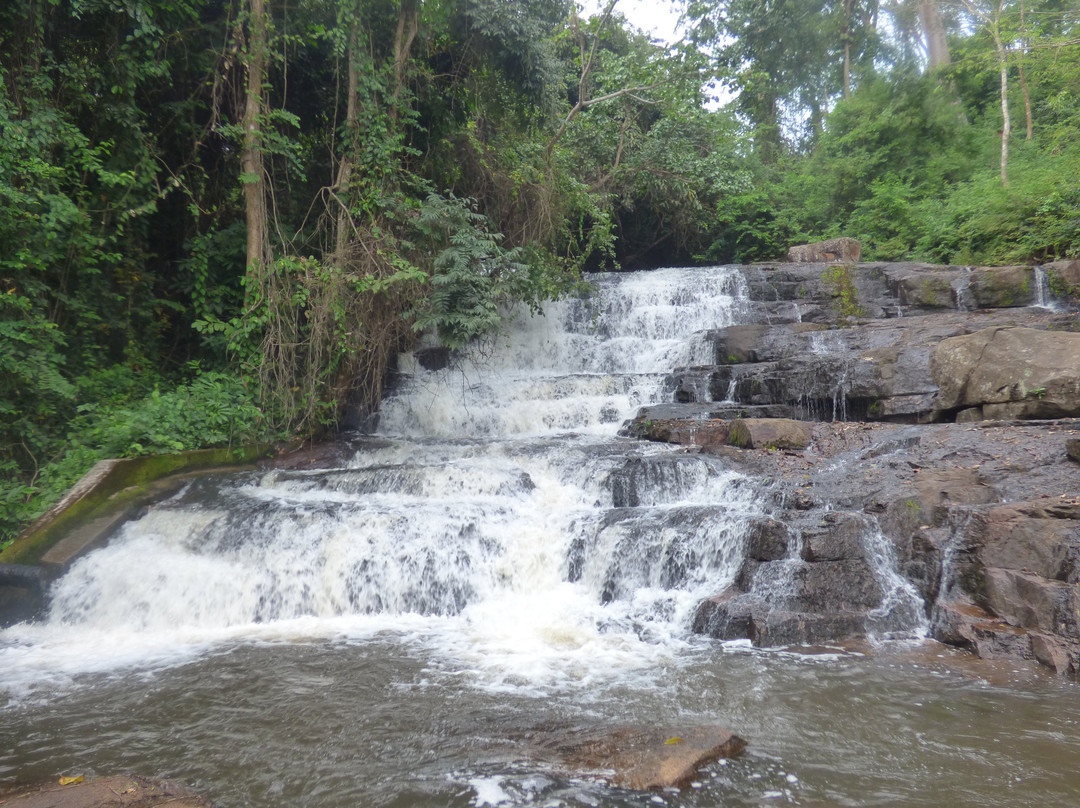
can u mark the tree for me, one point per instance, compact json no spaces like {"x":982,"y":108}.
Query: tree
{"x":253,"y":37}
{"x":937,"y":45}
{"x":789,"y":59}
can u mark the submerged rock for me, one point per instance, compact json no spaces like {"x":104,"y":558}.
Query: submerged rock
{"x":107,"y":792}
{"x":644,"y":758}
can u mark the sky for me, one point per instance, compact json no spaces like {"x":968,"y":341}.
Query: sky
{"x":657,"y":17}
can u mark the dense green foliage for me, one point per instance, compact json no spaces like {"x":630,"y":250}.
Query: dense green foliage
{"x":219,"y":222}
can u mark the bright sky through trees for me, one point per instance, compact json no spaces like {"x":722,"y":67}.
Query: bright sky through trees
{"x":657,"y":17}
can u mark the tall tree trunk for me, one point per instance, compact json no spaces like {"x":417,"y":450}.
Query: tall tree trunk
{"x":767,"y":141}
{"x":408,"y":24}
{"x":345,"y":168}
{"x":251,"y":158}
{"x":848,"y":9}
{"x":1023,"y":79}
{"x":1006,"y":121}
{"x":937,"y":46}
{"x":1027,"y":103}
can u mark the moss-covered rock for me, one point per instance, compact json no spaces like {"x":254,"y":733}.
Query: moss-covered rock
{"x":1003,"y":287}
{"x":103,"y":496}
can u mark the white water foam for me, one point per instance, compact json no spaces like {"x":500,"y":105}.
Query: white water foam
{"x":543,"y":553}
{"x":585,"y":366}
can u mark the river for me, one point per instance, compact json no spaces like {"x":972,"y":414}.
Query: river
{"x":495,"y":565}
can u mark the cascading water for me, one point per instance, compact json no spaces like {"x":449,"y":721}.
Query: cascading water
{"x":496,"y":489}
{"x":1044,"y":298}
{"x":495,"y":564}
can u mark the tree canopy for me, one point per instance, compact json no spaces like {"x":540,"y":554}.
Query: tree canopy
{"x":221,"y":220}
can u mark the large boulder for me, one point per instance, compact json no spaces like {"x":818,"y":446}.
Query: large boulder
{"x":844,"y":250}
{"x":1014,"y":589}
{"x":1008,"y":373}
{"x":1002,"y":287}
{"x":927,"y":286}
{"x":1063,"y":278}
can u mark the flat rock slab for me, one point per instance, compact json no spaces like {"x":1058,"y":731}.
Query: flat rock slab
{"x":643,"y":758}
{"x":770,"y":433}
{"x":108,"y":792}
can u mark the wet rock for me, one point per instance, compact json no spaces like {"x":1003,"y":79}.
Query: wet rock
{"x":953,"y":623}
{"x":108,"y":792}
{"x":1027,"y":536}
{"x":740,"y":343}
{"x":1054,"y":653}
{"x":977,"y":514}
{"x":1026,"y":600}
{"x":768,"y":540}
{"x":803,"y":294}
{"x":822,"y":594}
{"x":1012,"y":373}
{"x":846,"y":250}
{"x":313,"y":455}
{"x":727,"y":616}
{"x":735,"y":615}
{"x":434,"y":358}
{"x":770,"y":433}
{"x":1003,"y":287}
{"x":839,"y":538}
{"x":1072,"y":449}
{"x":879,"y":370}
{"x":645,"y":758}
{"x":778,"y":627}
{"x":996,"y":639}
{"x":1064,"y":280}
{"x":684,"y":431}
{"x":926,"y":286}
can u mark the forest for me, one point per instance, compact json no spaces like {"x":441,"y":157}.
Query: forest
{"x":220,"y":221}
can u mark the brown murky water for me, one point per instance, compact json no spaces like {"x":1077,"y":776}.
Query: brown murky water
{"x":379,"y":722}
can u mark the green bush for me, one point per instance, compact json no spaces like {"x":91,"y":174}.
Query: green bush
{"x":211,"y":410}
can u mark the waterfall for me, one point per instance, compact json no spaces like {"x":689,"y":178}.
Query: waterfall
{"x":1043,"y":298}
{"x":901,"y":612}
{"x":497,"y":518}
{"x":962,"y":290}
{"x":585,"y":366}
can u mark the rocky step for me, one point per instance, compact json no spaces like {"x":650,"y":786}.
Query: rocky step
{"x":1022,"y":364}
{"x":835,"y":292}
{"x":982,"y":520}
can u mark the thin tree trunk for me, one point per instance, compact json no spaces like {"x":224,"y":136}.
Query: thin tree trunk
{"x":937,"y":46}
{"x":345,"y":168}
{"x":1027,"y":104}
{"x":1006,"y":121}
{"x":848,"y":7}
{"x":1023,"y":79}
{"x":408,"y":25}
{"x":251,"y":158}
